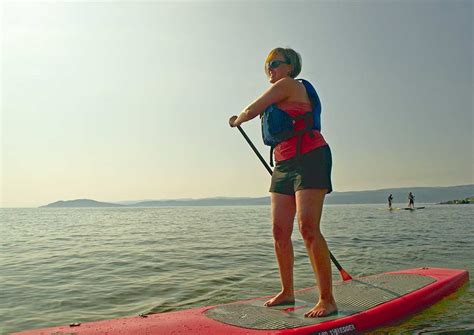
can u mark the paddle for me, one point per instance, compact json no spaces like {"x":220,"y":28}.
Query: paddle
{"x":345,"y":276}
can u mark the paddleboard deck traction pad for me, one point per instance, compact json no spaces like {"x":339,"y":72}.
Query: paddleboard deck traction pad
{"x":352,"y":297}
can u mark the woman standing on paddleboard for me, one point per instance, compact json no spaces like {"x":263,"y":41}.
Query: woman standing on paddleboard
{"x":301,"y":178}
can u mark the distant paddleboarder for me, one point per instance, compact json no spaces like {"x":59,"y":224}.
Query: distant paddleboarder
{"x":390,"y":199}
{"x":302,"y":175}
{"x":411,"y":200}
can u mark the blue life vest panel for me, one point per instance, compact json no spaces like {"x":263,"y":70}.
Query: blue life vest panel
{"x":278,"y":126}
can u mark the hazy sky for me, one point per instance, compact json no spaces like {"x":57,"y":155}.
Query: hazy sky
{"x":130,"y":100}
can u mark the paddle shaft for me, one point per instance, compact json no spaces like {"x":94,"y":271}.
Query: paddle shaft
{"x":255,"y":150}
{"x":345,"y":276}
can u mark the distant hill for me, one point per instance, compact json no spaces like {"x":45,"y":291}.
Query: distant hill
{"x":82,"y":203}
{"x":422,"y":195}
{"x":220,"y":201}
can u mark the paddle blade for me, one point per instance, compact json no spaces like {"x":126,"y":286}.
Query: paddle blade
{"x":345,"y":276}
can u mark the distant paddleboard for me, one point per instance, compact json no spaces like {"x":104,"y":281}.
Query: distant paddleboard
{"x":412,"y":209}
{"x":364,"y":304}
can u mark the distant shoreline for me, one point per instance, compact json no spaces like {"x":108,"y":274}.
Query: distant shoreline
{"x":434,"y":195}
{"x":465,"y":201}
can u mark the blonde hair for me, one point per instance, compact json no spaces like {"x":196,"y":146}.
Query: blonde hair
{"x":291,"y":57}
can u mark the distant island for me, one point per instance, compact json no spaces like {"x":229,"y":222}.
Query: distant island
{"x":220,"y":201}
{"x":434,"y":195}
{"x":82,"y":203}
{"x":465,"y":201}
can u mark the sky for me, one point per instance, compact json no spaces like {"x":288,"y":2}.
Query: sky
{"x":118,"y":101}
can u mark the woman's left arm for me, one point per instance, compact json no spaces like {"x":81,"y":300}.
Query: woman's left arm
{"x":279,"y":91}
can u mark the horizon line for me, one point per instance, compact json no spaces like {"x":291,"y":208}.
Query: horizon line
{"x":118,"y":202}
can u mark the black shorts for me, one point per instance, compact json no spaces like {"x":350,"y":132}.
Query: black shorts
{"x":309,"y":171}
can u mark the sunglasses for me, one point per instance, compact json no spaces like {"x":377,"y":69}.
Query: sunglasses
{"x":276,"y":63}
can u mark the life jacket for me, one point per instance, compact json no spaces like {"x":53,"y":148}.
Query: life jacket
{"x":278,"y":126}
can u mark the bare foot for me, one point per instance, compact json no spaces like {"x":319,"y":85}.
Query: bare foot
{"x":322,"y":308}
{"x":281,"y":299}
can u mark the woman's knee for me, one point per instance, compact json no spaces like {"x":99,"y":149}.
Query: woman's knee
{"x":309,"y":229}
{"x":281,"y":234}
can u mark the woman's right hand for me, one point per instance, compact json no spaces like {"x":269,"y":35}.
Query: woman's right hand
{"x":232,"y":120}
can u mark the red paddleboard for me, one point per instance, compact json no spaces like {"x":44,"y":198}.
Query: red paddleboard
{"x":364,"y":303}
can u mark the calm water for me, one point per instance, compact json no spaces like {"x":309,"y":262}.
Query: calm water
{"x":59,"y":266}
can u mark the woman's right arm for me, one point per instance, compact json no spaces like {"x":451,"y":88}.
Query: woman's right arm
{"x":279,"y":91}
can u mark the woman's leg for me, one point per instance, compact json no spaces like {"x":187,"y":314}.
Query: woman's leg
{"x":309,"y":206}
{"x":283,"y":215}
